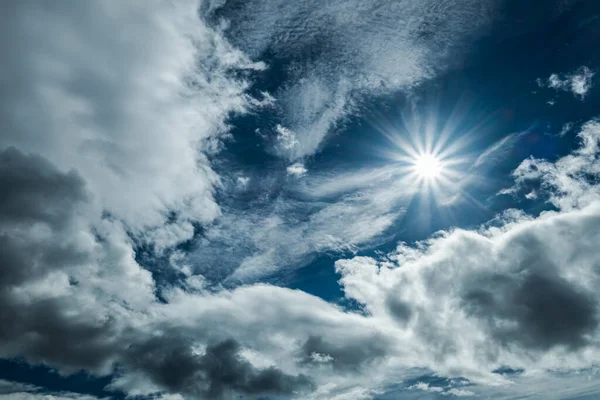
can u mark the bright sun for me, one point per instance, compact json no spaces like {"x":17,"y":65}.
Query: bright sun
{"x":427,"y":166}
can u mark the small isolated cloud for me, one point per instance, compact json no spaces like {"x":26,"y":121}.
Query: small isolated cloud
{"x":566,"y":128}
{"x":297,"y":169}
{"x":242,"y":181}
{"x":320,"y":358}
{"x":578,"y":82}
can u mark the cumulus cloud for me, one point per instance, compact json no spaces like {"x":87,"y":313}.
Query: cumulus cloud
{"x":338,"y":51}
{"x":55,"y":256}
{"x":126,"y":94}
{"x":103,"y":140}
{"x":518,"y":292}
{"x":76,"y":299}
{"x":297,"y":169}
{"x":578,"y":82}
{"x":174,"y":365}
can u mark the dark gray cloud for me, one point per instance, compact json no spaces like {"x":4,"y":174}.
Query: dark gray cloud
{"x":399,"y":309}
{"x":347,"y":356}
{"x":221,"y":371}
{"x":35,"y":192}
{"x":536,"y":310}
{"x":38,"y":211}
{"x":52,"y":313}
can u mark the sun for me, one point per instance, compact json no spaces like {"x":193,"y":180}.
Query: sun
{"x":427,"y":166}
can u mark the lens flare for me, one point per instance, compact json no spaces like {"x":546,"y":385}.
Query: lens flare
{"x":427,"y":166}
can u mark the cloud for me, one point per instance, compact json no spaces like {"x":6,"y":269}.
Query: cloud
{"x":305,"y":218}
{"x":19,"y":391}
{"x":7,"y":387}
{"x":76,"y":299}
{"x":377,"y":47}
{"x":131,"y":111}
{"x":566,"y":177}
{"x":444,"y":391}
{"x":218,"y":372}
{"x":103,"y":143}
{"x":297,"y":169}
{"x":53,"y":262}
{"x":521,"y":293}
{"x":517,"y":292}
{"x":578,"y":82}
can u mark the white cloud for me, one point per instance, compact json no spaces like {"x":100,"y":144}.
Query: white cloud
{"x":130,"y":110}
{"x":565,"y":177}
{"x":243,"y":181}
{"x":286,"y":138}
{"x":290,"y":231}
{"x":297,"y":169}
{"x":518,"y":293}
{"x":320,"y":358}
{"x":578,"y":82}
{"x":107,"y":134}
{"x":566,"y":128}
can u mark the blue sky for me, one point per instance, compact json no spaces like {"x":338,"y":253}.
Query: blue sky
{"x":266,"y":199}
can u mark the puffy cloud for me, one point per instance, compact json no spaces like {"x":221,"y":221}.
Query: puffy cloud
{"x":63,"y":280}
{"x":297,"y":169}
{"x":103,"y":138}
{"x":75,"y":299}
{"x":566,"y":178}
{"x":174,"y":365}
{"x":520,"y":291}
{"x":578,"y":82}
{"x":127,"y":94}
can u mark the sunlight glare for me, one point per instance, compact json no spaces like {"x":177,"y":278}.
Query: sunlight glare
{"x":427,"y":166}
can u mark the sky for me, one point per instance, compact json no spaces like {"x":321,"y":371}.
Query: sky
{"x":271,"y":199}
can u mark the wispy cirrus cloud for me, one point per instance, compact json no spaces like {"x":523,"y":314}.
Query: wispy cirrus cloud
{"x":338,"y":51}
